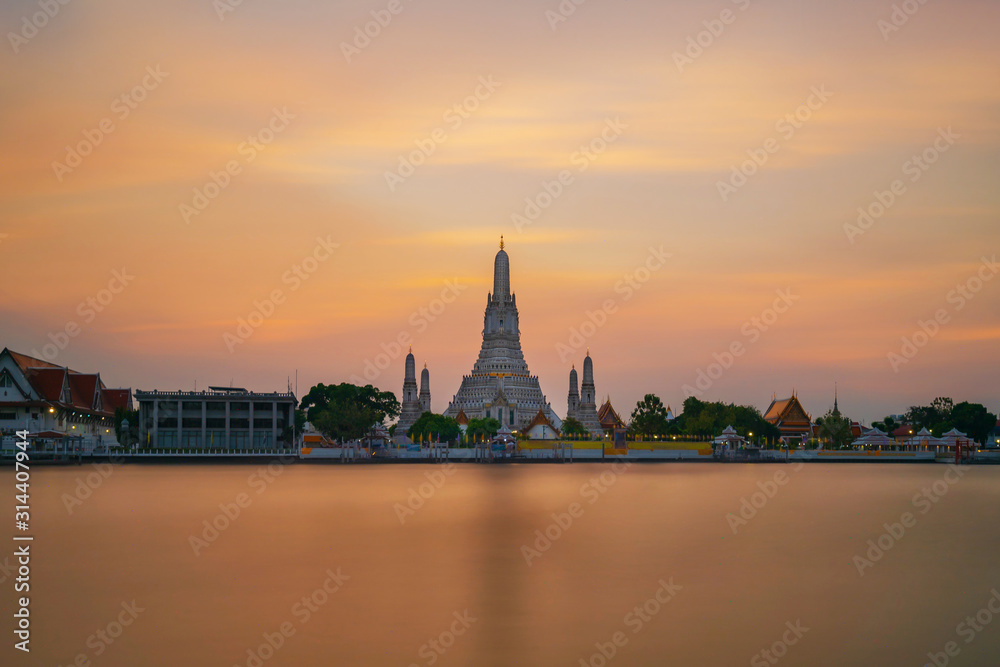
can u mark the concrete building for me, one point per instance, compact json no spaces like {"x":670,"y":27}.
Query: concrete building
{"x":500,"y":385}
{"x":54,"y":401}
{"x":220,"y":418}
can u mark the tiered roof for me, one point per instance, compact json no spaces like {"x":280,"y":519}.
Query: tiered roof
{"x":608,"y":417}
{"x":66,"y":388}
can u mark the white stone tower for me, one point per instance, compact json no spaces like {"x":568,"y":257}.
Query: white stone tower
{"x":425,"y":390}
{"x":410,"y":408}
{"x":573,"y":400}
{"x":500,"y":385}
{"x":586,"y":413}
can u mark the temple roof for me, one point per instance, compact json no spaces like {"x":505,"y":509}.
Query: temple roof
{"x":787,"y":410}
{"x":540,"y":420}
{"x":608,"y":417}
{"x":462,"y":418}
{"x":86,"y":390}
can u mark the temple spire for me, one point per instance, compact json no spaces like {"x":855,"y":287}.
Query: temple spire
{"x":501,"y":275}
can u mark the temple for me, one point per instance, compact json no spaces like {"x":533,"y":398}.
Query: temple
{"x":582,"y":405}
{"x":413,"y":405}
{"x":791,"y":419}
{"x":610,"y":420}
{"x":500,"y":385}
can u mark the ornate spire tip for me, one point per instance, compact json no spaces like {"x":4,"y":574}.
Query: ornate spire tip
{"x":501,"y":241}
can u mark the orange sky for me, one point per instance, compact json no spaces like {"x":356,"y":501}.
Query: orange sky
{"x":341,"y":126}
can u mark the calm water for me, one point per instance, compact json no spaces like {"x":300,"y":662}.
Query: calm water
{"x":403,"y":583}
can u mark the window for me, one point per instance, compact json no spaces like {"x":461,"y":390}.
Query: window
{"x":8,"y":416}
{"x":512,"y":416}
{"x":6,"y":381}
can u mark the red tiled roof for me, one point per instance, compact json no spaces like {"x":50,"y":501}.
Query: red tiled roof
{"x":26,"y":362}
{"x":116,"y":398}
{"x":48,"y":382}
{"x":83,"y":390}
{"x":87,"y":391}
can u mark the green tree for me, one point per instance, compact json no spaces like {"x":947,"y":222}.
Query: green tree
{"x":430,"y":426}
{"x":973,"y":419}
{"x":649,"y":417}
{"x":707,"y":420}
{"x":574,"y":430}
{"x":486,"y":428}
{"x":929,"y":416}
{"x":346,"y":411}
{"x":835,"y":429}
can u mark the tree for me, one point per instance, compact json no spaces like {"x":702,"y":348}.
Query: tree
{"x":430,"y":426}
{"x":132,"y":435}
{"x":573,"y":429}
{"x":929,"y":416}
{"x":973,"y":419}
{"x":888,"y":424}
{"x":346,"y":411}
{"x":486,"y":428}
{"x":943,"y":414}
{"x":649,"y":417}
{"x":835,"y":429}
{"x":709,"y":419}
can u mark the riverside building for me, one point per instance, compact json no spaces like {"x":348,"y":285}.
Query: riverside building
{"x":220,"y":418}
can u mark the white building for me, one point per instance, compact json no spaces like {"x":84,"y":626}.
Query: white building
{"x":52,"y":401}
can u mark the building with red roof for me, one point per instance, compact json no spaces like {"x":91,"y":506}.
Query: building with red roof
{"x":40,"y":396}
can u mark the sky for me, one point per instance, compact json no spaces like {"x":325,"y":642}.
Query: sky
{"x":733,"y":200}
